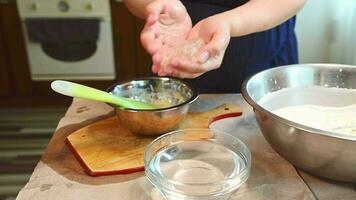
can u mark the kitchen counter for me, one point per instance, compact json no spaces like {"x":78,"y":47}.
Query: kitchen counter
{"x":59,"y":175}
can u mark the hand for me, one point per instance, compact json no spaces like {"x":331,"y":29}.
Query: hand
{"x":214,"y":32}
{"x":167,"y":25}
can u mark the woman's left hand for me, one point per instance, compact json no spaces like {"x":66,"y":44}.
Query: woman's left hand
{"x":214,"y":33}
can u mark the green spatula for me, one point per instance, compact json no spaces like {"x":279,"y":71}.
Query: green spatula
{"x":76,"y":90}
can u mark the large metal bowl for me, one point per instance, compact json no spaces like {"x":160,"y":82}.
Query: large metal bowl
{"x":154,"y":121}
{"x":321,"y":153}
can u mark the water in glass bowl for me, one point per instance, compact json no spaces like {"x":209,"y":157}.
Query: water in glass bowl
{"x":198,"y":168}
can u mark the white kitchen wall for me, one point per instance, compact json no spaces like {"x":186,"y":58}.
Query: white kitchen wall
{"x":326,"y":31}
{"x":343,"y":48}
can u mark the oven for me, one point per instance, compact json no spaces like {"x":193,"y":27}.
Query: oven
{"x":68,"y":39}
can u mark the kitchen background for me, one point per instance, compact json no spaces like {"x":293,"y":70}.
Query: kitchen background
{"x":29,"y":110}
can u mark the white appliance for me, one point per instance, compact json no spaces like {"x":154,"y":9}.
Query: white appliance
{"x":97,"y":64}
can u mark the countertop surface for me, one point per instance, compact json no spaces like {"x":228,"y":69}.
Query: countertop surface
{"x":59,"y":175}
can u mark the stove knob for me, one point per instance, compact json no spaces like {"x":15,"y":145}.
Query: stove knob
{"x":34,"y":6}
{"x":90,"y":6}
{"x":63,"y":6}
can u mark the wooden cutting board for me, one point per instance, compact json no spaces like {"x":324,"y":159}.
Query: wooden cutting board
{"x":107,"y":147}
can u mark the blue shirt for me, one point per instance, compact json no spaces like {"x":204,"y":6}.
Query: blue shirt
{"x":245,"y":55}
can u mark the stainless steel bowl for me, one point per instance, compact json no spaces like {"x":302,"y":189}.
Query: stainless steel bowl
{"x":156,"y":121}
{"x":321,"y":153}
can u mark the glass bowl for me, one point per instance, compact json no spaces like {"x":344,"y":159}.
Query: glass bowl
{"x":197,"y":164}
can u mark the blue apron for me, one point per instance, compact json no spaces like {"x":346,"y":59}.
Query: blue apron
{"x":245,"y":55}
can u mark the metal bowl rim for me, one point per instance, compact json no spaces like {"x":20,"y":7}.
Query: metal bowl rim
{"x":188,"y":101}
{"x":255,"y":105}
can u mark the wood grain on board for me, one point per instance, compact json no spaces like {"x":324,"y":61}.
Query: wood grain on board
{"x":107,"y":147}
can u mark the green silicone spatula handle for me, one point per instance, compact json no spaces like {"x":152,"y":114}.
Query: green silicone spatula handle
{"x":77,"y":90}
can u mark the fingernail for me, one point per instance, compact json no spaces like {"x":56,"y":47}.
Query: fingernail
{"x":204,"y":57}
{"x":156,"y":58}
{"x":154,"y":68}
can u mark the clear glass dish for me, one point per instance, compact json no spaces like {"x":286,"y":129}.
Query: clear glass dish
{"x":199,"y":164}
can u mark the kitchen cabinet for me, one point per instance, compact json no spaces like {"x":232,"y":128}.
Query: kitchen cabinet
{"x":143,"y":59}
{"x":124,"y":38}
{"x":15,"y":49}
{"x":4,"y":77}
{"x":131,"y":60}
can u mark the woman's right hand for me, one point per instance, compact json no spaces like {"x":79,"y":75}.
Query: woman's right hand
{"x":167,"y":25}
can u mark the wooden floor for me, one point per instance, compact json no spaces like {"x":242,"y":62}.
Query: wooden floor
{"x":24,"y":134}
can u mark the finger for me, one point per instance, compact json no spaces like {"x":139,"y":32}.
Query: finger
{"x":194,"y":33}
{"x":176,"y":12}
{"x":165,"y":68}
{"x":182,"y":74}
{"x":203,"y":56}
{"x":195,"y":67}
{"x":149,"y":41}
{"x":164,"y":71}
{"x":157,"y":58}
{"x":153,"y":10}
{"x":215,"y":47}
{"x":164,"y":58}
{"x":188,"y":66}
{"x":151,"y":19}
{"x":172,"y":71}
{"x":155,"y":68}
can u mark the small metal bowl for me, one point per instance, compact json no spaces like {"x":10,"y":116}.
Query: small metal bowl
{"x":154,"y":121}
{"x":319,"y":152}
